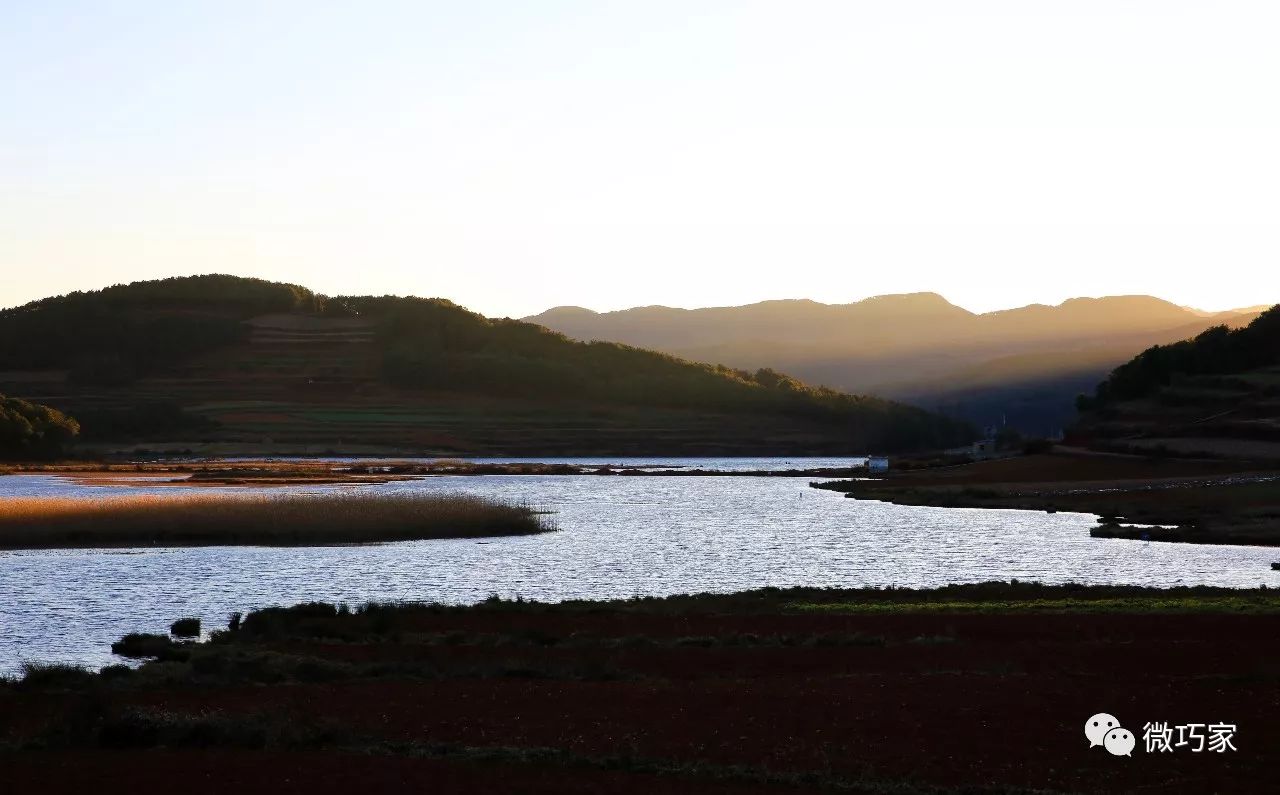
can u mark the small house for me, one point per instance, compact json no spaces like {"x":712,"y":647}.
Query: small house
{"x":877,"y":463}
{"x":984,"y":448}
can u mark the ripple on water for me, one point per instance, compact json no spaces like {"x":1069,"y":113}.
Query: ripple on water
{"x":619,"y":537}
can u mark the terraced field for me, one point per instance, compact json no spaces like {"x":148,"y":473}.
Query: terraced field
{"x":310,"y":385}
{"x":1234,"y":416}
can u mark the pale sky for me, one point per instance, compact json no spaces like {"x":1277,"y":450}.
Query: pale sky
{"x":514,"y":156}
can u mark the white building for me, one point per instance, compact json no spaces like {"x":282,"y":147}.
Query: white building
{"x":984,"y":448}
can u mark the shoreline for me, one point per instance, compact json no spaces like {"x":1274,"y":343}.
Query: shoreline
{"x":1135,"y":497}
{"x":270,"y":472}
{"x":1208,"y":501}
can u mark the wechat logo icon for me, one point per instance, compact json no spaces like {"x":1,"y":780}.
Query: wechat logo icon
{"x":1105,"y":730}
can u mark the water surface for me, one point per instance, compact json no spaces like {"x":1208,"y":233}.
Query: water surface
{"x":619,"y":537}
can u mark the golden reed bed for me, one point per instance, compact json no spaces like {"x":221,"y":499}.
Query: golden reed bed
{"x":254,"y":519}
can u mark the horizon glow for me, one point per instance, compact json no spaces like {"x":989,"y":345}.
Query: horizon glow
{"x":612,"y":155}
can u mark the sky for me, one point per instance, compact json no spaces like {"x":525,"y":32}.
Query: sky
{"x":514,"y":156}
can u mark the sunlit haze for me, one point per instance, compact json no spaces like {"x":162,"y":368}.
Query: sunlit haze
{"x":516,"y":156}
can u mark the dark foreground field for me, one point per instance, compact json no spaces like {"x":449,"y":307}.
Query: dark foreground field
{"x":971,"y":689}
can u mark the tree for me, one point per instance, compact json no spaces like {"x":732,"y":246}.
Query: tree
{"x":30,"y":430}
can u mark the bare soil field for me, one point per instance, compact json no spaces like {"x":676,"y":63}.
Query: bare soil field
{"x":774,"y":691}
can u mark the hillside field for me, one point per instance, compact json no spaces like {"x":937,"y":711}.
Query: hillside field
{"x":220,"y":365}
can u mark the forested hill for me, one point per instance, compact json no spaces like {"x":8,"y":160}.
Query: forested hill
{"x":123,"y":331}
{"x":1215,"y":394}
{"x":1216,"y":351}
{"x":222,"y":359}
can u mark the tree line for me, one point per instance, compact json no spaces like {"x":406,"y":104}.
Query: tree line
{"x":1216,"y":351}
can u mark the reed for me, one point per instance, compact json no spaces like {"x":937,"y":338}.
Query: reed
{"x":254,"y":520}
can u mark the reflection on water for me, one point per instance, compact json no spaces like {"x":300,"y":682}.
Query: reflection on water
{"x":657,"y":463}
{"x":619,"y":537}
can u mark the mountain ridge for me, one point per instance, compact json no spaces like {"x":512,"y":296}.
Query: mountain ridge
{"x":1112,"y":300}
{"x":914,"y":346}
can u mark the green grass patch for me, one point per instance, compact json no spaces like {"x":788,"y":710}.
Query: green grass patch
{"x":382,"y":416}
{"x":1190,"y":604}
{"x":242,"y":405}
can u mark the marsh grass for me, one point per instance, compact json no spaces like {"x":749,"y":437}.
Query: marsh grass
{"x":255,"y":519}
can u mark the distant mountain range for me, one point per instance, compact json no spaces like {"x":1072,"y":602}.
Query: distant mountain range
{"x":1024,"y":366}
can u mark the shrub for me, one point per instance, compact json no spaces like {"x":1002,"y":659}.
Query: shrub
{"x":185,"y":628}
{"x":54,"y":675}
{"x":137,"y":645}
{"x":115,"y":671}
{"x":30,"y":430}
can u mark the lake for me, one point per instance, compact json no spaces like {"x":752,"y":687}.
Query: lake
{"x":619,"y":537}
